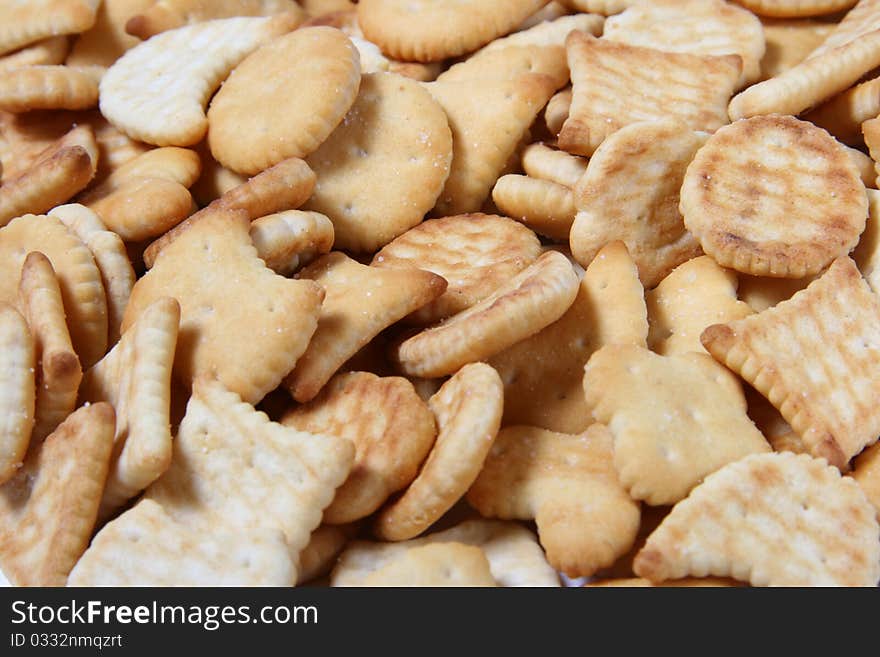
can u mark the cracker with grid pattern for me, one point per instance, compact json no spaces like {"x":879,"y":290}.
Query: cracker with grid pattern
{"x":774,"y":196}
{"x":777,"y":519}
{"x":17,"y":385}
{"x":45,"y":86}
{"x":532,"y":473}
{"x":48,"y":510}
{"x":106,"y":40}
{"x":51,"y":50}
{"x":607,"y":77}
{"x":644,"y":215}
{"x":533,"y":299}
{"x":58,"y":372}
{"x":431,"y":30}
{"x":609,"y":309}
{"x":435,"y":564}
{"x":82,"y":290}
{"x":793,"y":8}
{"x":239,"y":321}
{"x":701,"y":27}
{"x":467,"y":409}
{"x":381,"y":170}
{"x":145,"y":546}
{"x":157,"y":91}
{"x":320,"y":62}
{"x":675,"y":419}
{"x":390,"y":443}
{"x":167,"y":15}
{"x":544,"y":206}
{"x":515,"y":558}
{"x":360,"y":301}
{"x":61,"y":170}
{"x":23,"y":23}
{"x":288,"y":240}
{"x":696,"y":294}
{"x":475,"y":253}
{"x":816,"y":357}
{"x":235,"y":469}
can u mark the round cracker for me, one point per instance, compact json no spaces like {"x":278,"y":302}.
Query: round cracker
{"x":384,"y":167}
{"x":303,"y":84}
{"x":468,"y":411}
{"x":78,"y":276}
{"x":774,"y":196}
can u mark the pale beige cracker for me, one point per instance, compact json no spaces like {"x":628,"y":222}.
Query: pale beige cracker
{"x":475,"y":253}
{"x":157,"y":91}
{"x":544,"y":206}
{"x":700,"y":27}
{"x":58,"y":372}
{"x":360,"y":301}
{"x":630,"y":192}
{"x":533,"y":299}
{"x":435,"y":565}
{"x":867,"y":252}
{"x":789,"y":8}
{"x":215,"y":179}
{"x":82,"y":291}
{"x":696,"y":294}
{"x":532,"y":473}
{"x":23,"y":23}
{"x":774,"y":196}
{"x":488,"y":118}
{"x":50,"y":87}
{"x":761,"y":292}
{"x":49,"y":51}
{"x":508,"y":63}
{"x":542,"y":161}
{"x":371,"y":58}
{"x":384,"y":167}
{"x":675,"y":419}
{"x":866,"y":472}
{"x":285,"y":186}
{"x":775,"y":519}
{"x":180,"y":165}
{"x":107,"y":40}
{"x":235,"y":469}
{"x":515,"y":558}
{"x":319,"y":556}
{"x":549,"y":12}
{"x":431,"y":30}
{"x":321,"y":7}
{"x":816,"y":358}
{"x":135,"y":377}
{"x":288,"y":240}
{"x":844,"y":114}
{"x":344,"y":19}
{"x":111,"y":257}
{"x":17,"y":386}
{"x":467,"y":409}
{"x":557,"y":110}
{"x":390,"y":443}
{"x":615,"y":84}
{"x":166,"y":15}
{"x":609,"y":309}
{"x":866,"y":166}
{"x":56,"y":174}
{"x":143,"y":208}
{"x":239,"y":322}
{"x":146,"y":547}
{"x":547,"y":33}
{"x":789,"y":42}
{"x":320,"y":62}
{"x":48,"y":510}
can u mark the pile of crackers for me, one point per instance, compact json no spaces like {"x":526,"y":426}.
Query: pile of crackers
{"x":432,"y":293}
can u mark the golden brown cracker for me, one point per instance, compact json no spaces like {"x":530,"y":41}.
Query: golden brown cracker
{"x":288,"y":240}
{"x":544,"y":206}
{"x":548,"y":32}
{"x":49,"y":51}
{"x":788,"y":8}
{"x":166,"y":15}
{"x":867,"y":252}
{"x":143,"y":208}
{"x":844,"y":114}
{"x":789,"y":42}
{"x":23,"y":23}
{"x":107,"y":39}
{"x":17,"y":384}
{"x":557,"y":110}
{"x":541,"y":161}
{"x":46,"y":86}
{"x":435,"y":565}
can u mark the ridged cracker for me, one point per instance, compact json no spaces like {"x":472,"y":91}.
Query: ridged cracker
{"x":475,"y":253}
{"x":844,"y":114}
{"x":774,"y":196}
{"x":240,"y":322}
{"x":514,"y":555}
{"x":166,"y":15}
{"x":288,"y":240}
{"x":50,"y":87}
{"x":468,"y":409}
{"x":534,"y":298}
{"x":791,"y":8}
{"x":23,"y":23}
{"x":47,"y":512}
{"x":383,"y":168}
{"x":58,"y":372}
{"x":81,"y":288}
{"x":143,"y":208}
{"x":616,"y":84}
{"x":816,"y":358}
{"x":135,"y":377}
{"x":431,"y":30}
{"x":532,"y":473}
{"x":675,"y":419}
{"x":609,"y":309}
{"x":789,"y":42}
{"x":701,"y":27}
{"x":320,"y":62}
{"x":544,"y":206}
{"x":542,"y":161}
{"x":390,"y":443}
{"x":774,"y":519}
{"x":602,"y":7}
{"x":696,"y":294}
{"x":547,"y":33}
{"x":17,"y":386}
{"x":866,"y":472}
{"x":435,"y":565}
{"x":146,"y":547}
{"x":630,"y":193}
{"x":360,"y":302}
{"x":51,"y":50}
{"x":157,"y":91}
{"x":107,"y":39}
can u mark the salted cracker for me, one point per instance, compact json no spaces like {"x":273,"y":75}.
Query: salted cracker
{"x":23,"y":23}
{"x":547,"y":33}
{"x":508,"y":63}
{"x":435,"y":565}
{"x":866,"y":472}
{"x":541,"y":161}
{"x":17,"y":385}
